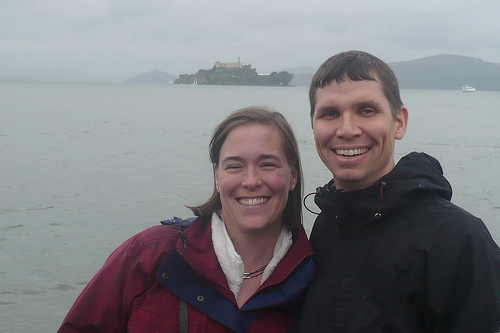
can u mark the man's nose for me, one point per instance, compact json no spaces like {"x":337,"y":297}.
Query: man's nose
{"x":348,"y":127}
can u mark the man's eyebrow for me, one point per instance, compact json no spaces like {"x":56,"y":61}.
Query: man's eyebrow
{"x":326,"y":108}
{"x":368,"y":102}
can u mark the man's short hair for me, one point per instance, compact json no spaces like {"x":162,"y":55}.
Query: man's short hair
{"x":357,"y":66}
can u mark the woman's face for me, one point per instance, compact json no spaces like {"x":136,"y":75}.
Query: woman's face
{"x":254,"y":179}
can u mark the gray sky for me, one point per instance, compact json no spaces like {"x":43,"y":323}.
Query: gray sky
{"x":103,"y":40}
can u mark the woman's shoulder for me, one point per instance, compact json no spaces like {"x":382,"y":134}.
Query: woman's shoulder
{"x":158,"y":232}
{"x":166,"y":231}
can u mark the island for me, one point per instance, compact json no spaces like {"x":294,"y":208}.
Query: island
{"x":235,"y":74}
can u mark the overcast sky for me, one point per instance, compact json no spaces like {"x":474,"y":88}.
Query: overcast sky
{"x":102,"y":40}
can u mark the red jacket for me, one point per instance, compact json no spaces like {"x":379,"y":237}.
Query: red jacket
{"x":138,"y":288}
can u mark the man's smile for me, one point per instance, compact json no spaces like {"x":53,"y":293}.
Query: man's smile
{"x":351,"y":152}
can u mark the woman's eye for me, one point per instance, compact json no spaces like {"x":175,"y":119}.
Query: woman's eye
{"x":269,"y":165}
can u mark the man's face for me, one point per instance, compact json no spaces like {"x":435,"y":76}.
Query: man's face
{"x":355,"y":132}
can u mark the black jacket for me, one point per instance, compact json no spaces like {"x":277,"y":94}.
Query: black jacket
{"x":400,"y":257}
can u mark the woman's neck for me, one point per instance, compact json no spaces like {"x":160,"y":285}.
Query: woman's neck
{"x":256,"y":248}
{"x":256,"y":251}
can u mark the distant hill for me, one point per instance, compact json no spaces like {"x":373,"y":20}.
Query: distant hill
{"x":154,"y":76}
{"x":447,"y":71}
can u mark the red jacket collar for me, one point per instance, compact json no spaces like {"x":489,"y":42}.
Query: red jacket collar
{"x":200,"y":255}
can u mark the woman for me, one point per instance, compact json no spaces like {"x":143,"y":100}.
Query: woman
{"x":241,"y":266}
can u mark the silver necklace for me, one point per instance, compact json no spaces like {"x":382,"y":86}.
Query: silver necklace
{"x":255,"y":273}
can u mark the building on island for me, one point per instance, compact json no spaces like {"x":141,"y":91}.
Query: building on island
{"x":231,"y":65}
{"x":219,"y":64}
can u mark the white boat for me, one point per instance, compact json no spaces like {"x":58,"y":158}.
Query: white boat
{"x":467,"y":88}
{"x":195,"y":82}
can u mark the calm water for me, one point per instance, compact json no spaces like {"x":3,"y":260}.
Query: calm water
{"x":85,"y":166}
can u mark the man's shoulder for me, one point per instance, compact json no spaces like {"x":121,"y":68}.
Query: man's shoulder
{"x":441,"y":217}
{"x":441,"y":209}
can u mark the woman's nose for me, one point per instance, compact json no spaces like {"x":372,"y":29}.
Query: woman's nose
{"x":252,"y":178}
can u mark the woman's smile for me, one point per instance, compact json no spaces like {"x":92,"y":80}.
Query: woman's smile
{"x":253,"y":201}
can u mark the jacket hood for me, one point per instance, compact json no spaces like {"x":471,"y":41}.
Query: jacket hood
{"x":415,"y":173}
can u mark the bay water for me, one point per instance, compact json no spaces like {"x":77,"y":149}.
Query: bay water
{"x":84,"y":166}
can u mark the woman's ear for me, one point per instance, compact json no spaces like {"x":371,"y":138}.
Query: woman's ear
{"x":293,"y":178}
{"x":216,"y":177}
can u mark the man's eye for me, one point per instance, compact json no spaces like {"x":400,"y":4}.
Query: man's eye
{"x":330,"y":114}
{"x":367,"y":111}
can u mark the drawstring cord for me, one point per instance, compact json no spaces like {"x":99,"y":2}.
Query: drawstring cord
{"x":305,"y":205}
{"x":379,"y":213}
{"x":320,"y":190}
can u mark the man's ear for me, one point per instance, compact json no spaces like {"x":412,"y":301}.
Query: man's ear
{"x":401,"y":122}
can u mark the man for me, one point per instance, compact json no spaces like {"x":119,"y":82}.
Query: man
{"x":393,"y":253}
